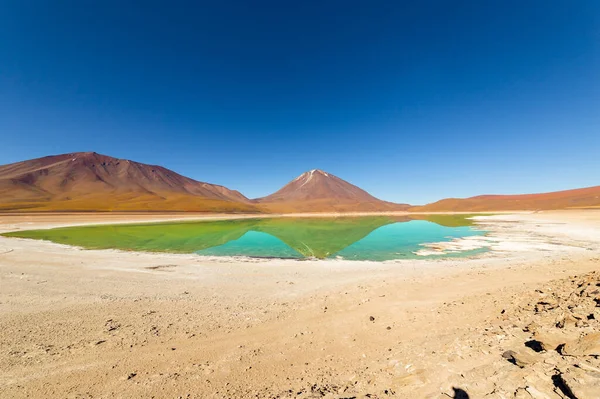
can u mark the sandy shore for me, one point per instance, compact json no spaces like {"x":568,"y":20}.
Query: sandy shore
{"x":77,"y":323}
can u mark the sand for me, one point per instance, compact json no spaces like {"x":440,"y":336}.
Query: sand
{"x":83,"y":323}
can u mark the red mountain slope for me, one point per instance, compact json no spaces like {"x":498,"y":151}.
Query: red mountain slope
{"x":90,"y":181}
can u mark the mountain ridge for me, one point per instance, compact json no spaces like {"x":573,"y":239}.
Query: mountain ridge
{"x":89,"y":181}
{"x":564,"y":199}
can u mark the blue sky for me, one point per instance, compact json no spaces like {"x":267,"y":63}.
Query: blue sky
{"x":412,"y":101}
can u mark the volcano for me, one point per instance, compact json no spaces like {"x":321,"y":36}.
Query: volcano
{"x":319,"y":191}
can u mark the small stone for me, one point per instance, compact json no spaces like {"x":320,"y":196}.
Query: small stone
{"x":111,"y":325}
{"x":581,"y":323}
{"x":532,"y":327}
{"x":550,"y":340}
{"x":546,"y":305}
{"x":521,"y":358}
{"x":588,"y":345}
{"x":521,"y":393}
{"x":371,"y":318}
{"x":566,"y":321}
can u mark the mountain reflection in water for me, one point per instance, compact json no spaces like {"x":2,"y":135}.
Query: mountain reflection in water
{"x":376,"y":238}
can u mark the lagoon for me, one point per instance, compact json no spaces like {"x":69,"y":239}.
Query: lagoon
{"x":376,"y":238}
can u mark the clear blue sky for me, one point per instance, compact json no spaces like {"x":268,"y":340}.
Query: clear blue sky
{"x":410,"y":100}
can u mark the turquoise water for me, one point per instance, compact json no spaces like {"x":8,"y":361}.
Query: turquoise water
{"x":399,"y":240}
{"x":256,"y":245}
{"x":358,"y":238}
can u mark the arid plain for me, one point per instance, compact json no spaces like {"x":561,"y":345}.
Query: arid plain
{"x":102,"y":323}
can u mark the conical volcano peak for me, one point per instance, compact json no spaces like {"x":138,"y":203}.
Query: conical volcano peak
{"x":311,"y":173}
{"x":319,"y":171}
{"x":320,"y":191}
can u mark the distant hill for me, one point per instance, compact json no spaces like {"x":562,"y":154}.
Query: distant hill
{"x":578,"y":198}
{"x":319,"y":191}
{"x":87,"y":181}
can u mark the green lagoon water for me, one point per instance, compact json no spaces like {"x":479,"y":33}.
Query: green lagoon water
{"x":358,"y":238}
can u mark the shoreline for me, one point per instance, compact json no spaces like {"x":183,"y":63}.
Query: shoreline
{"x":496,"y":241}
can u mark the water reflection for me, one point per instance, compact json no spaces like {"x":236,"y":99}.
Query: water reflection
{"x":377,"y":238}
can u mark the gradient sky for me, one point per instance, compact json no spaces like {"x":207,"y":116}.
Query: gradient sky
{"x":412,"y":101}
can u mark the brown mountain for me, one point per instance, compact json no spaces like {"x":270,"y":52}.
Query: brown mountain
{"x":578,"y":198}
{"x":319,"y":191}
{"x":87,"y":181}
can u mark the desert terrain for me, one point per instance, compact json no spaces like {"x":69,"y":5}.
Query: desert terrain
{"x":87,"y":324}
